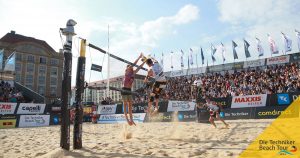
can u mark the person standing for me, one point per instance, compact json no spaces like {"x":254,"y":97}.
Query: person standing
{"x":126,"y":89}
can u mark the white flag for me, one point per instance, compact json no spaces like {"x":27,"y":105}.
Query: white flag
{"x":273,"y":46}
{"x":298,"y":37}
{"x":260,"y":49}
{"x":10,"y":63}
{"x":287,"y":42}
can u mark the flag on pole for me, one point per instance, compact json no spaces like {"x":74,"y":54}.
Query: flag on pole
{"x":260,"y":49}
{"x":273,"y":46}
{"x":234,"y":45}
{"x":172,"y":59}
{"x":298,"y":37}
{"x":223,"y":51}
{"x":1,"y":59}
{"x":10,"y":63}
{"x":246,"y":46}
{"x":182,"y":53}
{"x":213,"y":51}
{"x":287,"y":42}
{"x":202,"y":56}
{"x":191,"y":60}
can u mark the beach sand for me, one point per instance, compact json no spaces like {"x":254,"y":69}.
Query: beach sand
{"x":163,"y":139}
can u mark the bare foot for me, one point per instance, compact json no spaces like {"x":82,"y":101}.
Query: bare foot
{"x":129,"y":123}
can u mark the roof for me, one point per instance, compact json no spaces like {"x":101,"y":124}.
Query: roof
{"x":14,"y":38}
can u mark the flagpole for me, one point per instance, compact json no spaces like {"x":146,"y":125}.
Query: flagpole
{"x":197,"y":62}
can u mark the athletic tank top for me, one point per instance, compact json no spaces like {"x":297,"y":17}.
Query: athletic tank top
{"x":157,"y":70}
{"x":128,"y":79}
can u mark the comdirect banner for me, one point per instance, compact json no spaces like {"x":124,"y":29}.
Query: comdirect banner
{"x":31,"y":108}
{"x":34,"y":120}
{"x":275,"y":111}
{"x":182,"y":116}
{"x":120,"y":118}
{"x":181,"y":106}
{"x":249,"y":101}
{"x":7,"y":108}
{"x":107,"y":109}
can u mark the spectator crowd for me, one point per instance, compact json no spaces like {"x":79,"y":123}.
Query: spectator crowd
{"x":260,"y":80}
{"x":9,"y":93}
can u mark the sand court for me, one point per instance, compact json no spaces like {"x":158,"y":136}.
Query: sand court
{"x":161,"y":139}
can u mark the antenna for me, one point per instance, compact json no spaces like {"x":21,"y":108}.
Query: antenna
{"x":108,"y":62}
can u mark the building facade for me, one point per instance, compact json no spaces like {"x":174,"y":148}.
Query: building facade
{"x":38,"y":66}
{"x":96,"y":96}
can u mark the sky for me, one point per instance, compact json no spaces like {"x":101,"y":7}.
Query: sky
{"x":154,"y":27}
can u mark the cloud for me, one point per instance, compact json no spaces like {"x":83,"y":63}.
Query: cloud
{"x":258,"y":18}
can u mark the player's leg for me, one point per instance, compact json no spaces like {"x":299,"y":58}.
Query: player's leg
{"x":130,"y":111}
{"x":212,"y":121}
{"x":125,"y":106}
{"x":219,"y":118}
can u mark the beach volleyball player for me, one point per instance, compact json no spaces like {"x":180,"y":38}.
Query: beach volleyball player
{"x":127,"y":85}
{"x":214,"y":112}
{"x":156,"y":75}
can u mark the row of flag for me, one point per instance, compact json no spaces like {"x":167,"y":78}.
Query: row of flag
{"x":273,"y":48}
{"x":10,"y":62}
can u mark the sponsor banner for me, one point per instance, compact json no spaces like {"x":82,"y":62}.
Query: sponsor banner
{"x":34,"y":120}
{"x":249,"y":101}
{"x":272,"y":112}
{"x":222,"y":102}
{"x":106,"y":109}
{"x":254,"y":63}
{"x":295,"y":57}
{"x":120,"y":118}
{"x":183,"y":116}
{"x":238,"y":65}
{"x":8,"y":123}
{"x":181,"y":106}
{"x":282,"y":99}
{"x":55,"y":119}
{"x":7,"y":108}
{"x":31,"y":108}
{"x":177,"y":73}
{"x":278,"y":60}
{"x":140,"y":107}
{"x":237,"y":113}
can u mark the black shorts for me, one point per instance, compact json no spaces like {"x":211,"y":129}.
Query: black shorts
{"x":158,"y":87}
{"x":127,"y":91}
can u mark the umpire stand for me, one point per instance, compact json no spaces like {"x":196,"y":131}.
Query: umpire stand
{"x":77,"y":139}
{"x":66,"y":84}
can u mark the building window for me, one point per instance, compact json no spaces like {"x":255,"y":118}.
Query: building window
{"x":42,"y":70}
{"x":42,"y":80}
{"x":53,"y":62}
{"x":43,"y":60}
{"x":53,"y":91}
{"x":53,"y":81}
{"x":18,"y":57}
{"x":41,"y":90}
{"x":30,"y":58}
{"x":18,"y":78}
{"x":53,"y":71}
{"x":29,"y":79}
{"x":18,"y":67}
{"x":30,"y":68}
